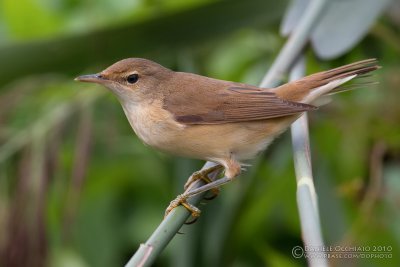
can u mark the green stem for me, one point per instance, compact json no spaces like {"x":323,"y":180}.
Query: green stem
{"x":295,"y":44}
{"x":306,"y":194}
{"x":148,"y":252}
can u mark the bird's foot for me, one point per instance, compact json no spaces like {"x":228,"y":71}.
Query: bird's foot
{"x":182,"y":200}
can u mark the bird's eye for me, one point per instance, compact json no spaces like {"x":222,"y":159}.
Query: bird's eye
{"x":132,"y":78}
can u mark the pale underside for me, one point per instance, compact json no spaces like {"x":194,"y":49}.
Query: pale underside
{"x":228,"y":144}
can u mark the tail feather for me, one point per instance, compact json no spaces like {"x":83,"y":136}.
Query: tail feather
{"x":351,"y":86}
{"x":309,"y":88}
{"x":353,"y":66}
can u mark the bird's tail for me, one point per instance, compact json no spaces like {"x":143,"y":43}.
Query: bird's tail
{"x":311,"y":87}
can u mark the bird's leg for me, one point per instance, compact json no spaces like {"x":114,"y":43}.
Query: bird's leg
{"x":182,"y":199}
{"x":233,"y":170}
{"x":203,"y":175}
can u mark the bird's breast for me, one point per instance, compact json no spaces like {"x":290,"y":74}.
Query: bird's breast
{"x":152,"y":124}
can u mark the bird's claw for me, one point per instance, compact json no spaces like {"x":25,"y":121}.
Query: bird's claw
{"x":182,"y":200}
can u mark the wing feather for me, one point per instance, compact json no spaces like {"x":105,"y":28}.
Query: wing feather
{"x":233,"y":104}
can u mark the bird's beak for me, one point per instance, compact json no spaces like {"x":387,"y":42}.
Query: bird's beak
{"x":91,"y":78}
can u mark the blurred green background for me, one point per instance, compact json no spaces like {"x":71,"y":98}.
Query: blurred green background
{"x":77,"y":187}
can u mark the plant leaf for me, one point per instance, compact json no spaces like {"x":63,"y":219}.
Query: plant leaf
{"x":344,"y":24}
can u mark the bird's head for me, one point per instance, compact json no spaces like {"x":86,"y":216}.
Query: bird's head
{"x":132,"y":79}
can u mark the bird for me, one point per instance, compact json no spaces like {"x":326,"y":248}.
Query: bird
{"x":225,"y":122}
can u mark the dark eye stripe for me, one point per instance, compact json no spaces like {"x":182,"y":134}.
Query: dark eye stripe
{"x":132,"y":78}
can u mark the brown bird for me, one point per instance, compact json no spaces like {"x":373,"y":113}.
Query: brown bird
{"x":220,"y":121}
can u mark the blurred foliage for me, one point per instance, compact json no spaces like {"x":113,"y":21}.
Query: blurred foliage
{"x":77,"y":188}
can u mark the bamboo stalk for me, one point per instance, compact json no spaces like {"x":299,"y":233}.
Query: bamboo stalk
{"x":148,"y":252}
{"x":306,"y":194}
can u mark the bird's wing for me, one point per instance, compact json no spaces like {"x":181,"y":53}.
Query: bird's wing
{"x":231,"y":104}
